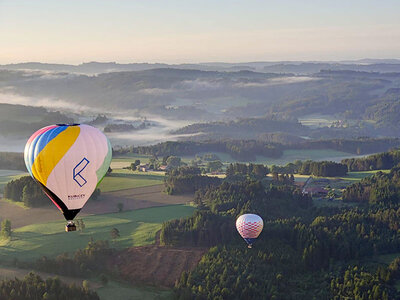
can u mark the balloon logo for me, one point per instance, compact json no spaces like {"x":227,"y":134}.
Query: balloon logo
{"x":249,"y":227}
{"x":68,"y":161}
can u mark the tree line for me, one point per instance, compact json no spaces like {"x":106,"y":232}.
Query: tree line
{"x":187,"y":180}
{"x":309,"y":167}
{"x":26,"y":190}
{"x":32,"y":286}
{"x":386,"y":160}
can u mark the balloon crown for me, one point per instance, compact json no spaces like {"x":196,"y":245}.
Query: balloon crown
{"x":72,"y":124}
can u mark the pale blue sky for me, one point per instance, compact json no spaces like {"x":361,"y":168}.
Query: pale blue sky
{"x":74,"y":31}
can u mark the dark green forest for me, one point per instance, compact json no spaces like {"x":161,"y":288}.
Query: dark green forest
{"x":304,"y":252}
{"x":386,"y":160}
{"x":32,"y":286}
{"x":381,"y":188}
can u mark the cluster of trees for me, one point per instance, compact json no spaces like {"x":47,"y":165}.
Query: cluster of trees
{"x":85,"y":261}
{"x":6,"y":228}
{"x":386,"y":160}
{"x":240,"y":171}
{"x":357,"y":283}
{"x":187,"y":180}
{"x":309,"y":167}
{"x":282,"y":178}
{"x":25,"y":190}
{"x":323,"y":168}
{"x":12,"y":161}
{"x":377,"y":189}
{"x":124,"y":127}
{"x":32,"y":286}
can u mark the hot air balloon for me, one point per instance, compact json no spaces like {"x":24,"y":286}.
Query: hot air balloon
{"x":68,"y":162}
{"x":249,"y":227}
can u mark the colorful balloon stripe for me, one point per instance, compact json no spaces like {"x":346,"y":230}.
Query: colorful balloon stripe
{"x":57,"y":147}
{"x":29,"y":158}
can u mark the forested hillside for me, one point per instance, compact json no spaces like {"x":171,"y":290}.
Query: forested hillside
{"x":304,"y":252}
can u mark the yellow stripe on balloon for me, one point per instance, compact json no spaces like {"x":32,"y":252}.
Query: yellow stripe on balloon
{"x":52,"y":153}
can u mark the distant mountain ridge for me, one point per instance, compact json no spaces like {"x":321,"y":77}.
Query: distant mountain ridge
{"x":297,"y":67}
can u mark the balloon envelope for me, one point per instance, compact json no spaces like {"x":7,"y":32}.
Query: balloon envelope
{"x":249,"y":227}
{"x":68,"y":161}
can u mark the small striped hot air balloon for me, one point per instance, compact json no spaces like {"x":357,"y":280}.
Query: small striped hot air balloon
{"x":249,"y":227}
{"x":68,"y":162}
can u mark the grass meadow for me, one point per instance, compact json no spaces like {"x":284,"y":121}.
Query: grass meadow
{"x":137,"y":228}
{"x":121,"y":179}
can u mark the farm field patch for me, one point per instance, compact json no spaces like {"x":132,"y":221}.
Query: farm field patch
{"x":137,"y":228}
{"x":127,"y":179}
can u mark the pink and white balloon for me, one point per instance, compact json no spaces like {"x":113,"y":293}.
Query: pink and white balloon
{"x":249,"y":227}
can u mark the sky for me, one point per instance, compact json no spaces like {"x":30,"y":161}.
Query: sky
{"x":184,"y":31}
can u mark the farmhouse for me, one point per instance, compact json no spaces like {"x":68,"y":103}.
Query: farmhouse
{"x":144,"y":168}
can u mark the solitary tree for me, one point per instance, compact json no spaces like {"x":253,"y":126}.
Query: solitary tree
{"x":174,"y":161}
{"x":114,"y":233}
{"x":80,"y":225}
{"x":27,"y":196}
{"x":6,"y":228}
{"x":120,"y":206}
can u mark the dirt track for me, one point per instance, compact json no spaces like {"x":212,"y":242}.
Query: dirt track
{"x":156,"y":265}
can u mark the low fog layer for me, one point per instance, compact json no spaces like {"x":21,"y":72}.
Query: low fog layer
{"x":349,"y":103}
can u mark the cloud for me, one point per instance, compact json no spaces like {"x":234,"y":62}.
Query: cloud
{"x":53,"y":104}
{"x":200,"y":85}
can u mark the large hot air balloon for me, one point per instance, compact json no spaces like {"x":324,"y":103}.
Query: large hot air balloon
{"x":68,"y":161}
{"x":249,"y":227}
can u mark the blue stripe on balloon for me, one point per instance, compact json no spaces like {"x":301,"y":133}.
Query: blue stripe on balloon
{"x":42,"y":140}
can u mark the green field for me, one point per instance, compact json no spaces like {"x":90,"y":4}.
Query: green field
{"x":8,"y":175}
{"x":137,"y":228}
{"x":124,"y":161}
{"x":117,"y":290}
{"x":357,"y":176}
{"x":121,"y":179}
